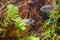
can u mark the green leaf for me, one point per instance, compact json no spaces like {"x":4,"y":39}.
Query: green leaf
{"x":57,"y":16}
{"x":12,"y":10}
{"x":33,"y":38}
{"x":48,"y":22}
{"x":22,"y":28}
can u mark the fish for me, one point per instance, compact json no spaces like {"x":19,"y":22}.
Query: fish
{"x":27,"y":21}
{"x":48,"y":8}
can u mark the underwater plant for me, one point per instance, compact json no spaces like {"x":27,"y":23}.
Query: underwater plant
{"x":21,"y":15}
{"x":11,"y":13}
{"x":53,"y":13}
{"x":18,"y":21}
{"x":33,"y":38}
{"x":49,"y":33}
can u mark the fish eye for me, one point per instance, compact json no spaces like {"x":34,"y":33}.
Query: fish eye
{"x":31,"y":20}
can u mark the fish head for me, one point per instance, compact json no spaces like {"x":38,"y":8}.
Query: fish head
{"x":27,"y":21}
